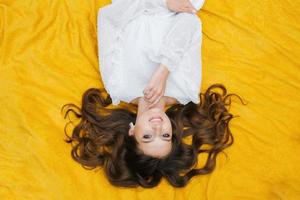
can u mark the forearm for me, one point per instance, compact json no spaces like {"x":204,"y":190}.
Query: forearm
{"x":163,"y":69}
{"x":156,"y":87}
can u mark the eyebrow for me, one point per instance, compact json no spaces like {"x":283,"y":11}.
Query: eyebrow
{"x":147,"y":141}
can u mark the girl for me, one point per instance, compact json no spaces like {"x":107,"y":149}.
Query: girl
{"x":150,"y":58}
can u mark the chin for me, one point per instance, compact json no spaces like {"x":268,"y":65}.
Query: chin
{"x":157,"y":110}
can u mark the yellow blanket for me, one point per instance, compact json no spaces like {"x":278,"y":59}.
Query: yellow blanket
{"x":48,"y":57}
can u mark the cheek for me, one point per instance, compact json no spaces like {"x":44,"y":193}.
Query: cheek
{"x":140,"y":127}
{"x":143,"y":119}
{"x":169,"y":125}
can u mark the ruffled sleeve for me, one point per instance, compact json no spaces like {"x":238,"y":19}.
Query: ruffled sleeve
{"x":110,"y":23}
{"x":114,"y":17}
{"x":120,"y":12}
{"x":178,"y":39}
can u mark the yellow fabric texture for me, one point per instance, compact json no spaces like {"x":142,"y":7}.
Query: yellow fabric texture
{"x":48,"y":57}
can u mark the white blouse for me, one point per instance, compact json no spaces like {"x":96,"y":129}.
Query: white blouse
{"x":135,"y":36}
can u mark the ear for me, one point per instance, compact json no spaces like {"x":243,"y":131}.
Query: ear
{"x":131,"y":130}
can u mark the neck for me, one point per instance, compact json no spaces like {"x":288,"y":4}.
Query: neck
{"x":143,"y":105}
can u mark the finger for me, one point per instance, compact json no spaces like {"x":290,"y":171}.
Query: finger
{"x":152,"y":104}
{"x":146,"y":99}
{"x":155,"y":97}
{"x":188,"y":4}
{"x":146,"y":91}
{"x":150,"y":94}
{"x":189,"y":8}
{"x":155,"y":102}
{"x":184,"y":9}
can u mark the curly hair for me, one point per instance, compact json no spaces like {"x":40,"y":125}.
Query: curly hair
{"x":101,"y":139}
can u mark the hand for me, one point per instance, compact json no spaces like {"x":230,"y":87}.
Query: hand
{"x":157,"y":85}
{"x":180,"y":6}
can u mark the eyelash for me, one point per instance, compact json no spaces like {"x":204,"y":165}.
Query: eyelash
{"x":146,"y":137}
{"x":151,"y":136}
{"x":166,"y":134}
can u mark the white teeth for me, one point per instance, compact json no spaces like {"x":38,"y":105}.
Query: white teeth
{"x":156,"y":119}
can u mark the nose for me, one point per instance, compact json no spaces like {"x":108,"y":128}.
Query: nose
{"x":156,"y":126}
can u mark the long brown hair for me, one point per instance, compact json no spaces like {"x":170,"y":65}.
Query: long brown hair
{"x":101,"y":139}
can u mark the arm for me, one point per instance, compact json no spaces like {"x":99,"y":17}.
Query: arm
{"x":120,"y":12}
{"x":155,"y":89}
{"x":177,"y":40}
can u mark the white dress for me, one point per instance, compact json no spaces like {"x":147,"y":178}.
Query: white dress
{"x":135,"y":36}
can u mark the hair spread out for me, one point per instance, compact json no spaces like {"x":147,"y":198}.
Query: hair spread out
{"x":101,"y":139}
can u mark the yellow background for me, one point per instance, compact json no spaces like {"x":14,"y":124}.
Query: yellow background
{"x":48,"y":57}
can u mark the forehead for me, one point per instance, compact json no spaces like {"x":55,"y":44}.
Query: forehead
{"x":156,"y":147}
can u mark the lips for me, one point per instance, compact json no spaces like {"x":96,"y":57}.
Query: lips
{"x":156,"y":119}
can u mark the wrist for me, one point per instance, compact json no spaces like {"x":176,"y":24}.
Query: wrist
{"x":164,"y":70}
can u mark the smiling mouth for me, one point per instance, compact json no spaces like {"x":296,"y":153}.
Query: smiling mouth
{"x":156,"y":119}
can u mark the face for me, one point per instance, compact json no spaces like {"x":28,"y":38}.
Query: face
{"x":153,"y":132}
